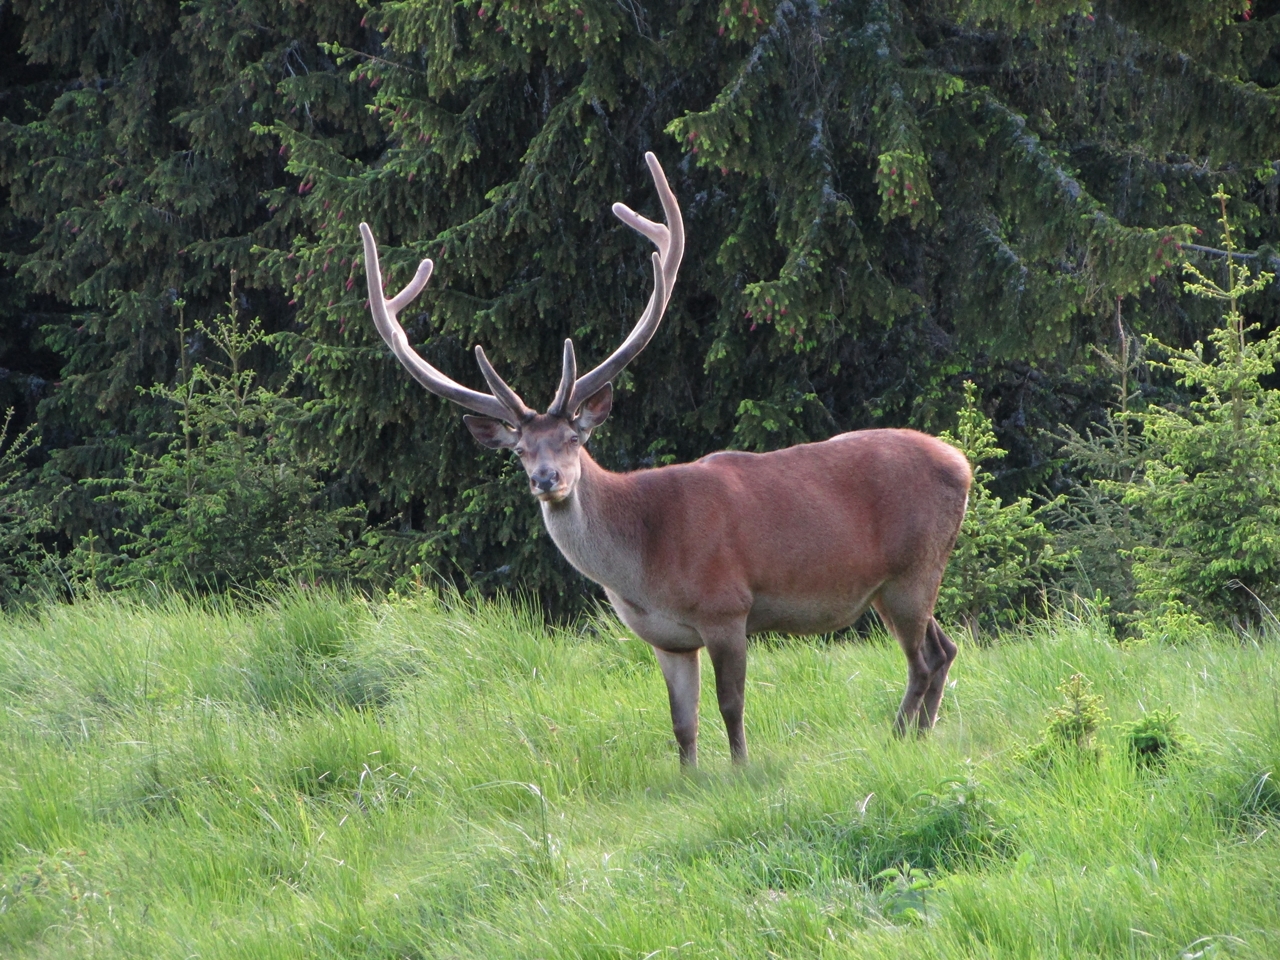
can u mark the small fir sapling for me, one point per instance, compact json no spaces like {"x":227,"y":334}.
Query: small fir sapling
{"x":1071,"y":729}
{"x":1153,"y":738}
{"x":230,"y":501}
{"x":1091,"y":520}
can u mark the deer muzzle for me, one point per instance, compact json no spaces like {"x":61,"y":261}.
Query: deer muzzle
{"x":545,"y":482}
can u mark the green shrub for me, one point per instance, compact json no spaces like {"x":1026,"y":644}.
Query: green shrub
{"x":1153,"y":738}
{"x":1071,"y":729}
{"x":22,"y":517}
{"x":1210,"y":492}
{"x":1004,"y":553}
{"x":231,"y":502}
{"x":1092,"y":523}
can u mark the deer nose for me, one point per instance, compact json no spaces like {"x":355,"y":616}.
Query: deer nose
{"x":545,"y":479}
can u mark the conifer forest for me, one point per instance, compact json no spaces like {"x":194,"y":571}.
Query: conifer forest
{"x":1043,"y":231}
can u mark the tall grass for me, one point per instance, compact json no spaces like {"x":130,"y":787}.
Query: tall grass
{"x":324,"y":776}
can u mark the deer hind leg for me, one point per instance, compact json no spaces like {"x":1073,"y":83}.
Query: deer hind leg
{"x":907,"y":618}
{"x":727,"y":646}
{"x":940,"y":652}
{"x":682,"y":671}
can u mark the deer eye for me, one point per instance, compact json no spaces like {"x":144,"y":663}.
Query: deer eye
{"x":574,"y":440}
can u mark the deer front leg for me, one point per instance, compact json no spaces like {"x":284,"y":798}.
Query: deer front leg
{"x":681,"y":670}
{"x":728,"y":649}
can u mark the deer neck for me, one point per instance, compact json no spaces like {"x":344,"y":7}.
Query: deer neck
{"x":596,"y":529}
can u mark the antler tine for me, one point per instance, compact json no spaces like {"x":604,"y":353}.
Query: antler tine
{"x":567,"y":378}
{"x":384,"y":317}
{"x":640,"y":335}
{"x":669,"y":239}
{"x":509,"y":398}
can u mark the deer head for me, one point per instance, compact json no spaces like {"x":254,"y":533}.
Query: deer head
{"x":548,"y":444}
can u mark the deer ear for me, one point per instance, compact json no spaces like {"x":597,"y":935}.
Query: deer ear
{"x":494,"y":434}
{"x":595,"y":410}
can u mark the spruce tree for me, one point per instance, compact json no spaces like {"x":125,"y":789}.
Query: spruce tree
{"x":133,"y":180}
{"x":228,"y":503}
{"x":25,"y":368}
{"x":1211,"y":487}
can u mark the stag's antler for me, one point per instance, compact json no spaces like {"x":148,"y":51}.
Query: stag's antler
{"x":503,"y":404}
{"x":669,"y":239}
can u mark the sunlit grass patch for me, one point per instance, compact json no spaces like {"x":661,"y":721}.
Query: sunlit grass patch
{"x":327,"y":776}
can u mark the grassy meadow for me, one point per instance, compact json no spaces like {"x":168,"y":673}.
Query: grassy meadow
{"x":329,"y":777}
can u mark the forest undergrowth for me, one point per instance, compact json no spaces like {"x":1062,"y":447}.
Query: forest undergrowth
{"x":326,"y":776}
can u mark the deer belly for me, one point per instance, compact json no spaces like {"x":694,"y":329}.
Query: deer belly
{"x":803,"y":615}
{"x":654,"y":627}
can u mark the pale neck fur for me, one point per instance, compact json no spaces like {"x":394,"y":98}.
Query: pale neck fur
{"x":595,"y":529}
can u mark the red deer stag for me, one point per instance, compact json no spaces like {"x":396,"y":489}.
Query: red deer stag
{"x":702,"y":554}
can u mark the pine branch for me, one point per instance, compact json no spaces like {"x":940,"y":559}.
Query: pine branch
{"x":1238,"y":255}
